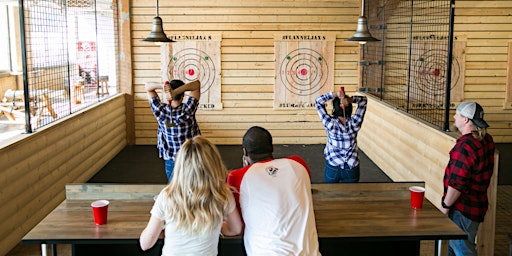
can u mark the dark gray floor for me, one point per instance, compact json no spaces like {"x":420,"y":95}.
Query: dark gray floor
{"x":140,"y":164}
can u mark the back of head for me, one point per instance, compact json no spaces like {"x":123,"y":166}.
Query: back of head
{"x":199,"y":176}
{"x":198,"y":156}
{"x":475,"y":113}
{"x":174,"y":85}
{"x":337,"y":110}
{"x":257,"y":141}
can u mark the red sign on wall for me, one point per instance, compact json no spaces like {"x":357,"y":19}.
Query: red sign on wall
{"x":86,"y":46}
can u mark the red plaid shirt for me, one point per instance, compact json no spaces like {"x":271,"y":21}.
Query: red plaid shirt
{"x":469,"y":171}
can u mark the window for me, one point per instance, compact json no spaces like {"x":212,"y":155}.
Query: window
{"x":70,"y":59}
{"x":5,"y":52}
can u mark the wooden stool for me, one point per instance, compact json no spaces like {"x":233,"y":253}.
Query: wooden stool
{"x":78,"y":92}
{"x":103,"y":84}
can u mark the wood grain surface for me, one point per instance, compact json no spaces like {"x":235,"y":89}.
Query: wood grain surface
{"x":362,"y":211}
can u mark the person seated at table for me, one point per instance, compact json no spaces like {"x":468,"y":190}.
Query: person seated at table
{"x":196,"y":206}
{"x":274,"y":199}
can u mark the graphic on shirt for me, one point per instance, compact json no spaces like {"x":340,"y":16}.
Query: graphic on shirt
{"x":272,"y":171}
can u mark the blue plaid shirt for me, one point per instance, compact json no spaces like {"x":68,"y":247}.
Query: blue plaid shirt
{"x":170,"y":139}
{"x":341,"y":146}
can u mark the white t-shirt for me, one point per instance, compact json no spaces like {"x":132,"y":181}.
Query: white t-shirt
{"x":177,"y":242}
{"x":277,"y":208}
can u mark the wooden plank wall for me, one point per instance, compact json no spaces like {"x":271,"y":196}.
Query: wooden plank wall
{"x":36,"y":168}
{"x":486,"y":27}
{"x":417,"y":152}
{"x":247,"y":59}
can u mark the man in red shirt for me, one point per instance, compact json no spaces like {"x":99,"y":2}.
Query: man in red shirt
{"x":274,"y":197}
{"x":467,"y":176}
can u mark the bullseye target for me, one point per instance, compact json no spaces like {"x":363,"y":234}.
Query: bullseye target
{"x":430,"y":71}
{"x":303,"y":71}
{"x":193,"y":64}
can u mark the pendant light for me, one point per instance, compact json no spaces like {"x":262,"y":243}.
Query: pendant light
{"x":362,"y":34}
{"x":157,"y":33}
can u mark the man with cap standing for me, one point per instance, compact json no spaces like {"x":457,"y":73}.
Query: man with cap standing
{"x":467,"y":176}
{"x":274,"y":199}
{"x":176,"y":119}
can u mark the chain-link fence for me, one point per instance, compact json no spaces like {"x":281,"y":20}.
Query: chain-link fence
{"x":69,"y":57}
{"x":410,"y":67}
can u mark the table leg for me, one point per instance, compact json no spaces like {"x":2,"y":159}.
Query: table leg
{"x":44,"y":252}
{"x":44,"y":249}
{"x":54,"y":249}
{"x":438,"y":247}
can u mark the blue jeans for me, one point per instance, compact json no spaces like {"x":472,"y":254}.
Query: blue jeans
{"x":467,"y":246}
{"x":169,"y":168}
{"x":336,"y":174}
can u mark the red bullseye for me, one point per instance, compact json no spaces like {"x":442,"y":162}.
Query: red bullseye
{"x":437,"y":72}
{"x":303,"y":71}
{"x":191,"y":72}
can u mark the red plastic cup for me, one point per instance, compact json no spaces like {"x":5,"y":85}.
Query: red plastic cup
{"x":417,"y":195}
{"x":100,"y":210}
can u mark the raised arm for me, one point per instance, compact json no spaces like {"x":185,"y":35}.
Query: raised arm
{"x":151,"y":88}
{"x":194,"y":87}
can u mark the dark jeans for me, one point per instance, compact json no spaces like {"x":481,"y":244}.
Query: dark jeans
{"x":336,"y":174}
{"x":169,"y":168}
{"x":467,"y":246}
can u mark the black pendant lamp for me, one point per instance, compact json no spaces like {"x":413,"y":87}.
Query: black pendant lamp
{"x":362,"y":34}
{"x":157,"y":33}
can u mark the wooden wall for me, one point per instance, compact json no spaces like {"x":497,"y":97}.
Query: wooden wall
{"x":36,"y":168}
{"x":417,"y":152}
{"x":247,"y":60}
{"x":486,"y":28}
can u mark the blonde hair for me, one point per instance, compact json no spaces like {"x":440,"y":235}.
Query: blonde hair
{"x":479,"y":133}
{"x":198,"y":192}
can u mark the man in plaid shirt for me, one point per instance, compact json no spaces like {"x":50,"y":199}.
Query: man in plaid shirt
{"x":467,"y":176}
{"x":341,"y":152}
{"x":176,"y":119}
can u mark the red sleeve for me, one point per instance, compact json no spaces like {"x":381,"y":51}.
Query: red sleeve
{"x":302,"y":162}
{"x":234,"y":180}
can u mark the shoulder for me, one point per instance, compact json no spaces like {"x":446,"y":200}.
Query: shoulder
{"x":298,"y":159}
{"x":235,"y":176}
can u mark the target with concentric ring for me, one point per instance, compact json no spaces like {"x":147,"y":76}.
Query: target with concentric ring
{"x":192,"y":64}
{"x":303,"y":71}
{"x":430,"y":72}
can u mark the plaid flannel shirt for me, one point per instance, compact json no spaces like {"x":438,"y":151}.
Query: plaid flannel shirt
{"x":469,"y":171}
{"x":341,"y":146}
{"x":170,"y":139}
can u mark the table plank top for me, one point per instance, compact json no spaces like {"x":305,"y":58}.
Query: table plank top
{"x":348,"y":211}
{"x":377,"y":211}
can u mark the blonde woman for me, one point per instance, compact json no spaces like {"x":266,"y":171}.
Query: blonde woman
{"x":196,"y":206}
